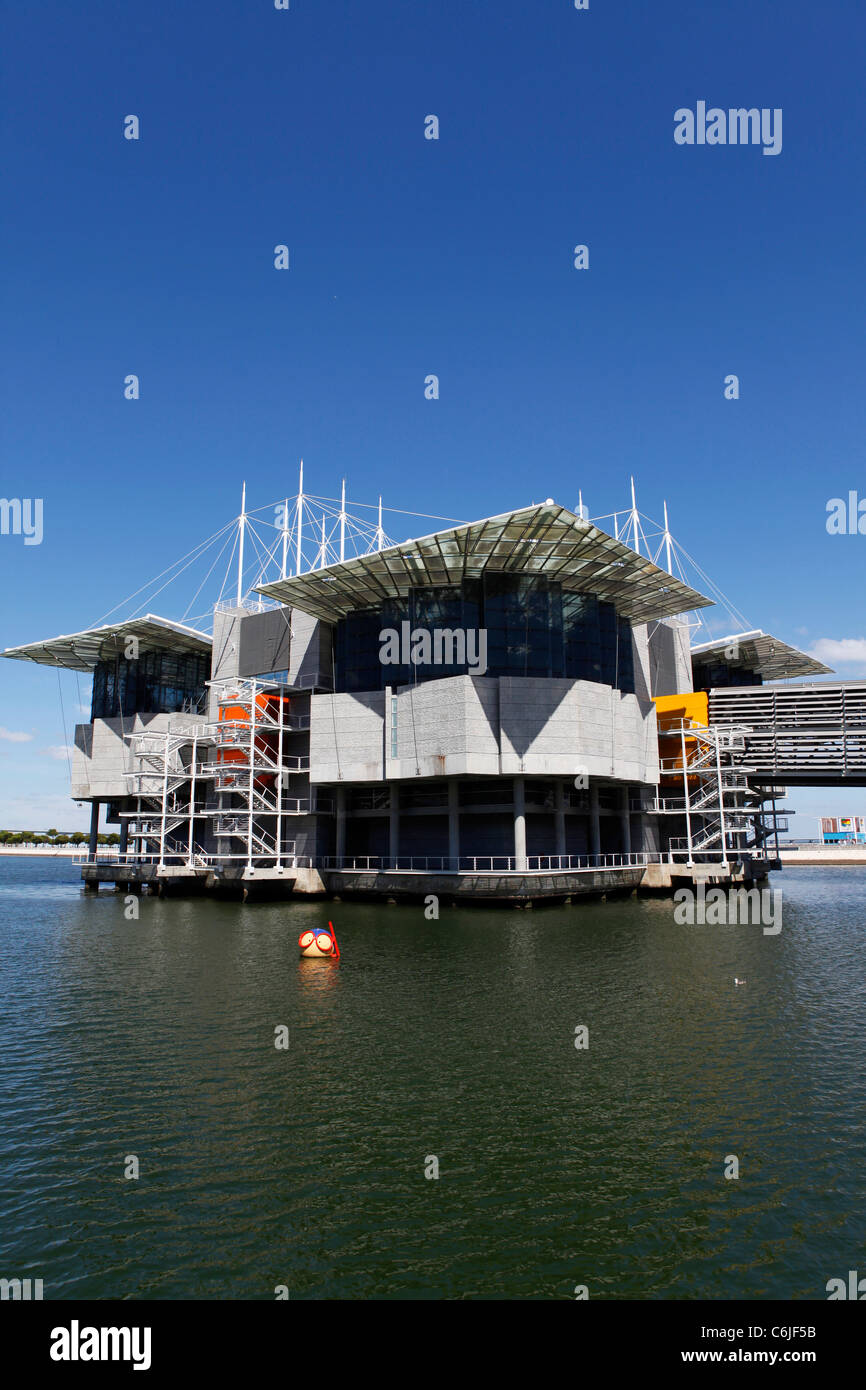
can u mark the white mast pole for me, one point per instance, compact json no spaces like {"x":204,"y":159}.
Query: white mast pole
{"x":668,"y":541}
{"x":285,"y":535}
{"x":343,"y":522}
{"x":380,"y":534}
{"x":300,"y":519}
{"x":323,"y":547}
{"x":634,"y":520}
{"x":242,"y":520}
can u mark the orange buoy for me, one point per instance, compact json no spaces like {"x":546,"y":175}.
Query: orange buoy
{"x":316,"y":945}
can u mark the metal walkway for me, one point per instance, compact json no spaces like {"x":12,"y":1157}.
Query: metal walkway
{"x":803,"y":735}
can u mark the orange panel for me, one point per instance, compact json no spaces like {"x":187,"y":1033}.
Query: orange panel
{"x":267,"y":704}
{"x":674,"y":709}
{"x":671,"y":711}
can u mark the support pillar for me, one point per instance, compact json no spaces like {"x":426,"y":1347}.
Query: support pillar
{"x":394,"y":822}
{"x":687,"y":796}
{"x":453,"y":823}
{"x":594,"y":823}
{"x":519,"y":824}
{"x":559,"y":815}
{"x":94,"y":828}
{"x":625,"y":820}
{"x":340,"y":806}
{"x":124,"y":838}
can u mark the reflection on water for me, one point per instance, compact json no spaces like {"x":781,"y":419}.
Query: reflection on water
{"x":453,"y":1038}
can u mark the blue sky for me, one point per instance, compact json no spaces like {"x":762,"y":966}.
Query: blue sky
{"x":411,"y":257}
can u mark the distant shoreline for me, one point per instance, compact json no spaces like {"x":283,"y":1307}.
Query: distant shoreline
{"x":49,"y":852}
{"x":811,"y":856}
{"x":833,"y":858}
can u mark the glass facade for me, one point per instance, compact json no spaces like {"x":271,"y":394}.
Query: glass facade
{"x":718,"y":674}
{"x":158,"y":682}
{"x":532,"y":626}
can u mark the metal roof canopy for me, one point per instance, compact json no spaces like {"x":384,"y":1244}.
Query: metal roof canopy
{"x":80,"y":651}
{"x":761,"y":652}
{"x":545,"y":540}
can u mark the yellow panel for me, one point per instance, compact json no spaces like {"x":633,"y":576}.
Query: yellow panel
{"x":673,"y":709}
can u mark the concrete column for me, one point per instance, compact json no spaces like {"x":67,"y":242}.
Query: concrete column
{"x":94,"y":827}
{"x":594,"y":825}
{"x":453,"y":821}
{"x":340,"y":808}
{"x":519,"y":823}
{"x":625,"y":818}
{"x":394,"y":822}
{"x":560,"y":818}
{"x":387,"y":730}
{"x":124,"y":836}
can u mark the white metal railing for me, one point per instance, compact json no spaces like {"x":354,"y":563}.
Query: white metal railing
{"x":264,"y":861}
{"x":478,"y":864}
{"x":240,"y":730}
{"x":291,"y":806}
{"x":302,"y":806}
{"x":234,"y":772}
{"x":201,"y":860}
{"x":676,"y":805}
{"x":560,"y":862}
{"x":491,"y":864}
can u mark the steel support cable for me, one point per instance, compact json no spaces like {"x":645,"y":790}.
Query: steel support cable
{"x":714,"y":588}
{"x":216,"y":657}
{"x":63,"y":723}
{"x":169,"y":581}
{"x":270,"y":548}
{"x":207,"y":576}
{"x":197,"y":550}
{"x":229,"y":565}
{"x":258,"y":563}
{"x":367,"y":506}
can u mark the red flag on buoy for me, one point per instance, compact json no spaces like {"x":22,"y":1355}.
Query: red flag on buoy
{"x":336,"y":951}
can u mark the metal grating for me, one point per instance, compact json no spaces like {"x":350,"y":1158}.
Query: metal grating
{"x":801,"y":734}
{"x":543,"y":540}
{"x":82,"y":651}
{"x":761,"y":652}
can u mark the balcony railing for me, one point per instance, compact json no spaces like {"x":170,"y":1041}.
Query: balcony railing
{"x":200,"y":860}
{"x":489,"y":864}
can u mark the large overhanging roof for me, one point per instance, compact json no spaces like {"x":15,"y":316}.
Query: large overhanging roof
{"x":544,"y":540}
{"x":80,"y":651}
{"x":759,"y":651}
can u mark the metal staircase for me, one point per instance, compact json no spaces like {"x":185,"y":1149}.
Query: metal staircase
{"x":722,"y":812}
{"x":233,"y":782}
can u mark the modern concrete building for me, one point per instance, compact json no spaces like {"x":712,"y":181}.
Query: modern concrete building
{"x":500,"y":709}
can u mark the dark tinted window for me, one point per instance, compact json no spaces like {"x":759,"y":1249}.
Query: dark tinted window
{"x":532,"y":628}
{"x":158,"y":682}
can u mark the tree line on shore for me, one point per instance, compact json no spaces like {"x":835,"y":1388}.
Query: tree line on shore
{"x":53,"y":837}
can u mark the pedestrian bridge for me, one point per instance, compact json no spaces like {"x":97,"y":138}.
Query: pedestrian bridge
{"x":811,"y":735}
